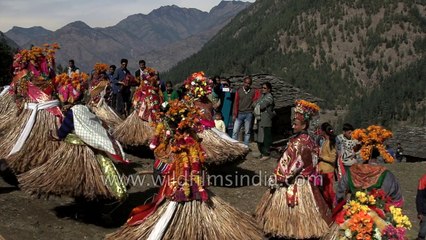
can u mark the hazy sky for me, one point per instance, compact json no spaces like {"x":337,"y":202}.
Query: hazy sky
{"x":54,"y":14}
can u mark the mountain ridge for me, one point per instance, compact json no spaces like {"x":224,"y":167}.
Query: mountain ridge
{"x":169,"y":27}
{"x":337,"y":50}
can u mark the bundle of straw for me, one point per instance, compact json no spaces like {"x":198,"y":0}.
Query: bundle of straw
{"x":6,"y":104}
{"x":38,"y":147}
{"x":220,"y":150}
{"x":134,"y":131}
{"x":302,"y":221}
{"x":107,"y":114}
{"x":11,"y":126}
{"x":74,"y":171}
{"x":196,"y":220}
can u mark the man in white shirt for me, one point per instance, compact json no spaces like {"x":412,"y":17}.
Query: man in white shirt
{"x":346,"y":146}
{"x":72,"y":68}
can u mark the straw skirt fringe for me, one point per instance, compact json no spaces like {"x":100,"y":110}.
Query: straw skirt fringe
{"x":300,"y":222}
{"x":220,"y":150}
{"x":73,"y":170}
{"x":334,"y":233}
{"x":196,"y":220}
{"x":11,"y":126}
{"x":6,"y":104}
{"x":134,"y":131}
{"x":38,"y":147}
{"x":107,"y":115}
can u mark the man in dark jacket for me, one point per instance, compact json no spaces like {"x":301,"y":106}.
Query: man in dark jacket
{"x":123,"y":95}
{"x":421,"y":207}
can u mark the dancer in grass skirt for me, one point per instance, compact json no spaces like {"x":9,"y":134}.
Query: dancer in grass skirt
{"x":137,"y":129}
{"x":294,"y":207}
{"x":219,"y":147}
{"x":184,"y":208}
{"x":99,"y":92}
{"x":24,"y":128}
{"x":82,"y":165}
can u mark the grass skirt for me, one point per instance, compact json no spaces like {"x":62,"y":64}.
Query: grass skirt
{"x":300,"y":222}
{"x":134,"y":131}
{"x":196,"y":220}
{"x":75,"y":171}
{"x":38,"y":147}
{"x":6,"y":104}
{"x":220,"y":150}
{"x":334,"y":233}
{"x":107,"y":114}
{"x":11,"y":126}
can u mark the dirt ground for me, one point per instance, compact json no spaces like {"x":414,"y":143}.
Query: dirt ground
{"x":25,"y":217}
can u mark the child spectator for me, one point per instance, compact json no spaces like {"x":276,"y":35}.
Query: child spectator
{"x":219,"y":123}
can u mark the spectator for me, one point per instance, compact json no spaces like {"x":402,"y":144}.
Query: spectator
{"x":170,"y":93}
{"x":140,"y":72}
{"x":214,"y":96}
{"x":421,"y":207}
{"x":115,"y":86}
{"x":243,"y":110}
{"x":227,"y":100}
{"x":123,"y":96}
{"x":219,"y":123}
{"x":72,"y":68}
{"x":346,"y":146}
{"x":264,"y":112}
{"x":327,"y":163}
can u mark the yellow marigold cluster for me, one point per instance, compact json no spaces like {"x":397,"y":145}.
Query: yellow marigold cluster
{"x":400,"y":219}
{"x":365,"y":198}
{"x":354,"y":207}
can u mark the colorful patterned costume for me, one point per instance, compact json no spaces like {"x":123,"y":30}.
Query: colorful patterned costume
{"x":81,"y":166}
{"x":99,"y":92}
{"x":294,"y":207}
{"x":137,"y":129}
{"x":183,"y":209}
{"x":29,"y":110}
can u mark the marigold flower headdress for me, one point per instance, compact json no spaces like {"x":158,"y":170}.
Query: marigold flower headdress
{"x":373,"y":137}
{"x":305,"y":110}
{"x":71,"y":88}
{"x":38,"y":60}
{"x":198,"y":85}
{"x":34,"y":65}
{"x":101,"y":68}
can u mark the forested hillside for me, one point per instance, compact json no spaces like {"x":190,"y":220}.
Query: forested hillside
{"x":339,"y":50}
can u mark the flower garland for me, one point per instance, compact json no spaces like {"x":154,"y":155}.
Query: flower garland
{"x":198,"y":85}
{"x":372,"y":216}
{"x":306,"y":110}
{"x":177,"y":133}
{"x":373,"y":137}
{"x":147,"y":100}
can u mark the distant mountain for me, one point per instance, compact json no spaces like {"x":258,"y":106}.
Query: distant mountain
{"x":24,"y":35}
{"x":343,"y":51}
{"x":162,"y":37}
